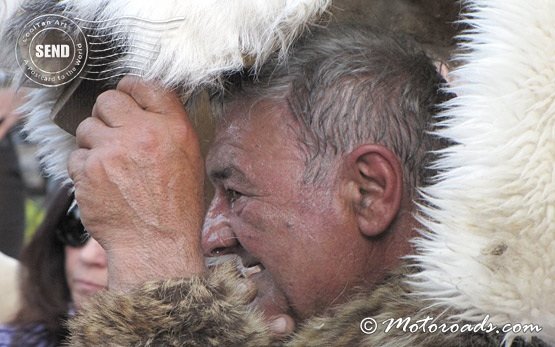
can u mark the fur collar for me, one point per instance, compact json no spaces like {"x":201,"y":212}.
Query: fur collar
{"x":489,"y":236}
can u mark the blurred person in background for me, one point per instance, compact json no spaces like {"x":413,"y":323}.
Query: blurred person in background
{"x":12,"y":208}
{"x":60,"y":271}
{"x":9,"y":293}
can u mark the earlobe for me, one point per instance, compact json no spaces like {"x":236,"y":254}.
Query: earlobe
{"x":377,"y":174}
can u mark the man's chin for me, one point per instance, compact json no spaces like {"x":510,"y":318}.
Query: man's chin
{"x":269,"y":300}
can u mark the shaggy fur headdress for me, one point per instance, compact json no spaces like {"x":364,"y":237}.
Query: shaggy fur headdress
{"x":490,"y":233}
{"x":179,"y":43}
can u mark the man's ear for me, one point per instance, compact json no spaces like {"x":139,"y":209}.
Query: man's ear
{"x":375,"y":187}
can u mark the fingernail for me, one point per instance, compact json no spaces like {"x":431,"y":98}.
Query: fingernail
{"x":278,"y":325}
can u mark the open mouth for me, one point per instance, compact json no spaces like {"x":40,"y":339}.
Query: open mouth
{"x":246,"y":268}
{"x":250,"y":270}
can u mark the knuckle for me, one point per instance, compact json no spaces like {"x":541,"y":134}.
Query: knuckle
{"x":126,"y":83}
{"x":97,"y":162}
{"x":93,"y":165}
{"x":105,"y":101}
{"x":102,"y":99}
{"x":101,"y":164}
{"x":106,"y":96}
{"x":84,"y":127}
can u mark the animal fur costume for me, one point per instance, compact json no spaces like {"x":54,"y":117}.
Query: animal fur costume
{"x":212,"y":311}
{"x":489,"y":239}
{"x":487,"y":245}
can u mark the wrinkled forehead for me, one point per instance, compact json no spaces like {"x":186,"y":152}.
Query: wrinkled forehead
{"x":252,"y":127}
{"x":251,"y":118}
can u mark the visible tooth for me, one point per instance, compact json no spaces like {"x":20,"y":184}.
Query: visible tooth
{"x":219,"y":260}
{"x":249,"y":271}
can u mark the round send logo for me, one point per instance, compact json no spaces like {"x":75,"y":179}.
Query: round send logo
{"x":52,"y":50}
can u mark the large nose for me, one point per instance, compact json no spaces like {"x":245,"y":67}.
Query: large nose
{"x":218,"y":237}
{"x":93,"y":254}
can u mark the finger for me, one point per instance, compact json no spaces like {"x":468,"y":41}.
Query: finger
{"x":76,"y":164}
{"x":149,"y":96}
{"x":282,"y":325}
{"x":115,"y":108}
{"x":93,"y":132}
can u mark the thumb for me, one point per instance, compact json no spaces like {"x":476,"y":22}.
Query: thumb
{"x":282,"y":325}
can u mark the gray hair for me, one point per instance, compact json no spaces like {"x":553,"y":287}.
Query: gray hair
{"x":350,"y":85}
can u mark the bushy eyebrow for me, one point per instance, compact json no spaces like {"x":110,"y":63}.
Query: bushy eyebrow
{"x":227,"y":172}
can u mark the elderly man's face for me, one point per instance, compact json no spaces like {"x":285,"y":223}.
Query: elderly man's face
{"x":303,"y":237}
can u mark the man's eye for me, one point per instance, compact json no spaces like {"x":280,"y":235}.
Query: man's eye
{"x":232,"y":195}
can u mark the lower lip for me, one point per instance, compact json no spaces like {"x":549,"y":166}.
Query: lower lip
{"x":257,"y":274}
{"x":88,"y":287}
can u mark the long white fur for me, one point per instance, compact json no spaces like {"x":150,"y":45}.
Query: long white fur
{"x":213,"y":38}
{"x":7,"y":8}
{"x":489,"y":241}
{"x":54,"y":144}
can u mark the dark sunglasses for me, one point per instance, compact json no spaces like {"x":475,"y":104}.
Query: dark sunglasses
{"x":70,"y":230}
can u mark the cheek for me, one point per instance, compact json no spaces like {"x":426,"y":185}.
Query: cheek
{"x":260,"y":226}
{"x":70,"y":265}
{"x":71,"y":260}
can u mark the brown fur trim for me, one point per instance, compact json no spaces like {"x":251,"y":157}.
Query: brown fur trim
{"x":212,"y":311}
{"x":390,"y":300}
{"x":201,"y":311}
{"x":393,"y":299}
